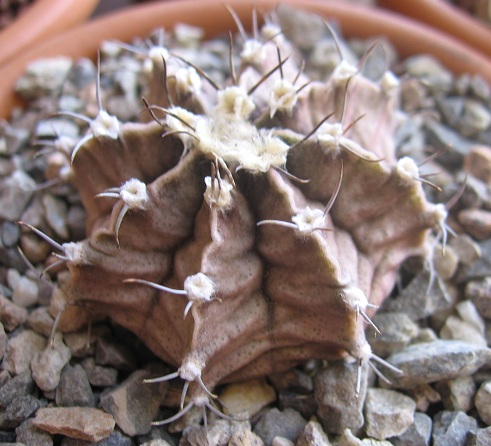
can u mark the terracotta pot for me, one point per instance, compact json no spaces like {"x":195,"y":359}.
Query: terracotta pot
{"x":408,"y":36}
{"x":44,"y":18}
{"x":445,"y":17}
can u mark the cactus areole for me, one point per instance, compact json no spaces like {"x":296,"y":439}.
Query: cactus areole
{"x":250,"y":226}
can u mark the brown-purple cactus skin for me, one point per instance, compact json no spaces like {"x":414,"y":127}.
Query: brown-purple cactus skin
{"x":231,"y":199}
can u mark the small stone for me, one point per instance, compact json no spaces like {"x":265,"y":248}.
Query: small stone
{"x":56,"y":215}
{"x":429,"y":70}
{"x":478,"y":163}
{"x":331,"y":386}
{"x":294,"y":379}
{"x":3,"y":341}
{"x":479,"y":437}
{"x":305,"y":404}
{"x":475,"y":118}
{"x":218,"y":433}
{"x":434,"y":361}
{"x":396,"y":331}
{"x":388,"y":413}
{"x":84,"y":423}
{"x":20,"y":408}
{"x":424,"y":395}
{"x":11,"y":315}
{"x":19,"y":385}
{"x":479,"y":291}
{"x":479,"y":269}
{"x":477,"y":222}
{"x":48,"y":364}
{"x":416,"y":301}
{"x":28,"y":434}
{"x":74,"y":388}
{"x":15,"y":193}
{"x":245,"y":437}
{"x":467,"y":250}
{"x":44,"y":77}
{"x":41,"y":321}
{"x":451,"y":108}
{"x":483,"y":402}
{"x":21,"y":349}
{"x":25,"y":292}
{"x":246,"y":398}
{"x":287,"y":423}
{"x":456,"y":328}
{"x":160,"y":442}
{"x":451,"y":428}
{"x":457,"y":394}
{"x":313,"y":435}
{"x":53,"y":127}
{"x":440,"y":135}
{"x":135,"y":404}
{"x":348,"y":439}
{"x":10,"y":233}
{"x":282,"y":441}
{"x":108,"y":352}
{"x":417,"y":434}
{"x":445,"y":263}
{"x":98,"y":375}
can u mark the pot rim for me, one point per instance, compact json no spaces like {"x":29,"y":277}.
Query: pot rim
{"x":409,"y":37}
{"x":42,"y":19}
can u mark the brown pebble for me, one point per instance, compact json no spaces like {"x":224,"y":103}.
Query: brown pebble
{"x":11,"y":314}
{"x":83,"y":423}
{"x":478,"y":163}
{"x":477,"y":222}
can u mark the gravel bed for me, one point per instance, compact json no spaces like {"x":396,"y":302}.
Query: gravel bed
{"x":87,"y":387}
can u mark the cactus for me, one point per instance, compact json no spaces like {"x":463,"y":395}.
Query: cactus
{"x":245,"y":227}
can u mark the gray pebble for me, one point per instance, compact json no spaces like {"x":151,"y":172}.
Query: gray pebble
{"x":243,"y":437}
{"x":479,"y":87}
{"x":429,"y":70}
{"x":98,"y":375}
{"x":479,"y":291}
{"x":55,"y":211}
{"x":115,"y":439}
{"x":74,"y":388}
{"x":111,"y":353}
{"x":305,"y":404}
{"x":135,"y":404}
{"x":47,"y":365}
{"x":40,"y":321}
{"x":11,"y":315}
{"x":19,"y":409}
{"x":3,"y":341}
{"x":479,"y":437}
{"x":451,"y":108}
{"x":44,"y":77}
{"x":335,"y":392}
{"x":451,"y":428}
{"x":396,"y":331}
{"x":287,"y":423}
{"x":417,"y":301}
{"x":388,"y":413}
{"x":439,"y":135}
{"x":19,"y":385}
{"x":481,"y":268}
{"x":483,"y":402}
{"x":475,"y":118}
{"x":418,"y":434}
{"x":435,"y":361}
{"x":54,"y":127}
{"x":25,"y":292}
{"x":15,"y":192}
{"x":457,"y":394}
{"x":29,"y":434}
{"x":10,"y":234}
{"x":21,"y":349}
{"x":467,"y":250}
{"x":313,"y":435}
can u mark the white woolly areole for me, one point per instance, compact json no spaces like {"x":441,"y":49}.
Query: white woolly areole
{"x":283,"y":97}
{"x":355,"y":298}
{"x":389,"y":81}
{"x":270,"y":31}
{"x":407,"y":169}
{"x":309,"y":219}
{"x":134,"y":193}
{"x":253,"y":52}
{"x":218,"y":193}
{"x":235,"y":101}
{"x":188,"y":80}
{"x":157,"y":53}
{"x":178,"y":125}
{"x":105,"y":124}
{"x":190,"y":370}
{"x":75,"y":253}
{"x":329,"y":135}
{"x":199,"y":287}
{"x":240,"y":143}
{"x":343,"y":71}
{"x":441,"y":213}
